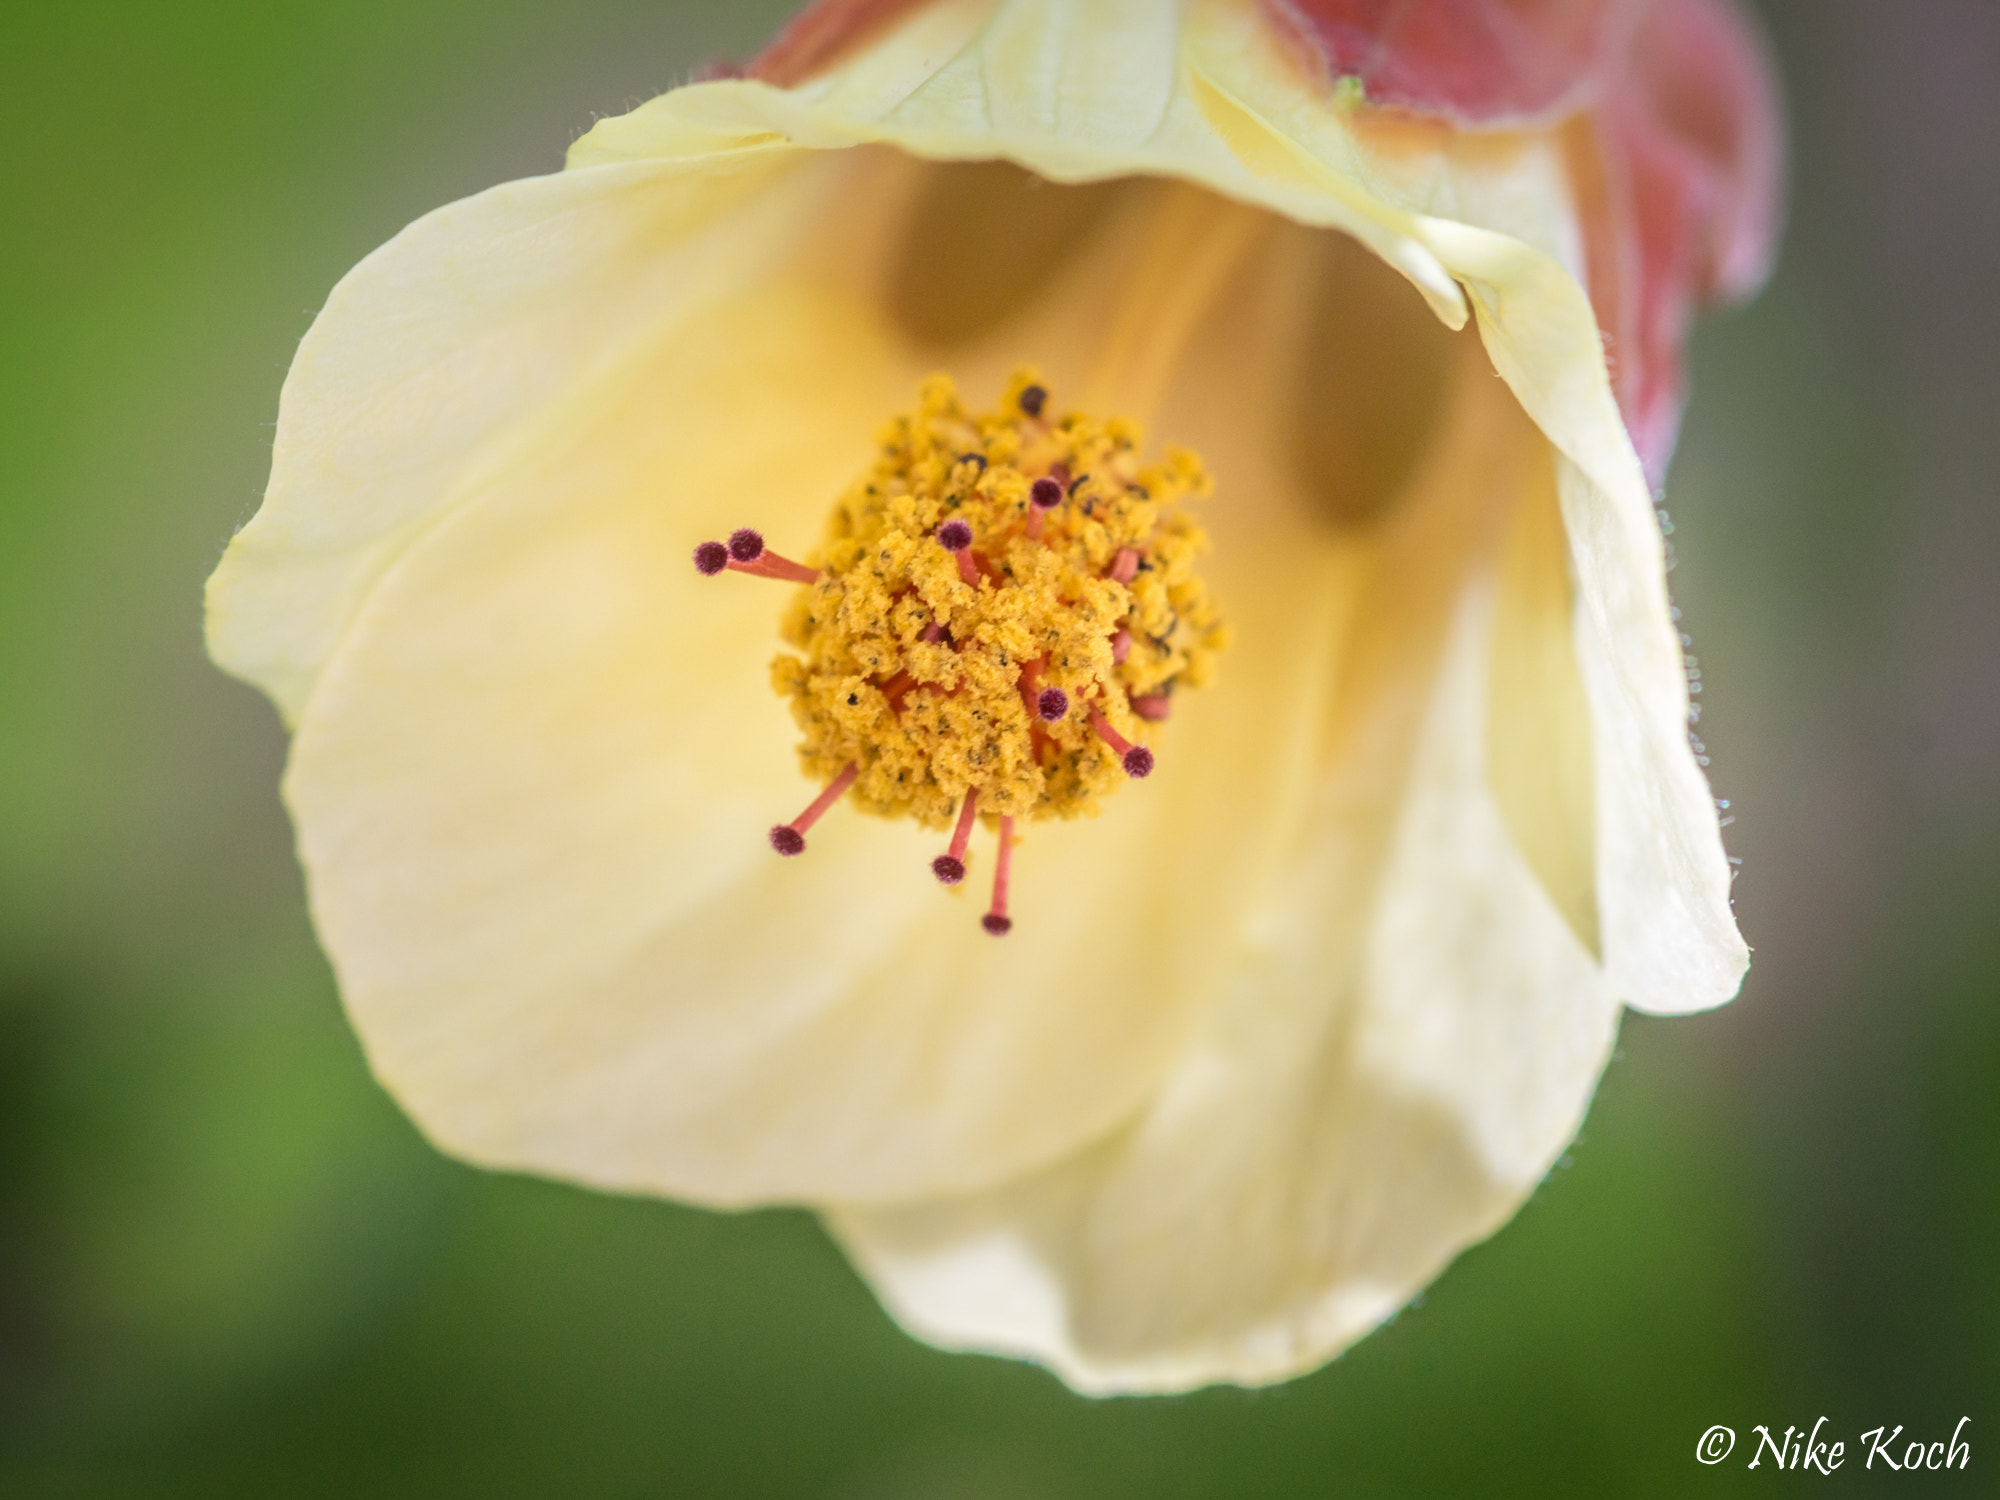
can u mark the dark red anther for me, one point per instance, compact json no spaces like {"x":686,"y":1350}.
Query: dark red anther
{"x":790,"y":838}
{"x":1052,"y":705}
{"x":950,"y":867}
{"x":996,"y":920}
{"x":1044,"y":494}
{"x":746,"y":553}
{"x":1137,"y":759}
{"x":956,"y":538}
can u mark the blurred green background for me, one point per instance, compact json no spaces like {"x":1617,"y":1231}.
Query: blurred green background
{"x":229,"y":1267}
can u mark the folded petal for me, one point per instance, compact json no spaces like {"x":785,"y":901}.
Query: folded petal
{"x":1669,"y":938}
{"x":1494,"y":211}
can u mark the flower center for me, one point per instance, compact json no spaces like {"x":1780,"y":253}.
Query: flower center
{"x":1002,"y":607}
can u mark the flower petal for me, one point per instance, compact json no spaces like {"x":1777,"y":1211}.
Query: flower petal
{"x":1539,"y":731}
{"x":540,"y":870}
{"x":1409,"y":1036}
{"x":1490,"y":214}
{"x":528,"y":857}
{"x":531,"y":788}
{"x":431,"y":357}
{"x":1072,"y":93}
{"x":1669,"y":939}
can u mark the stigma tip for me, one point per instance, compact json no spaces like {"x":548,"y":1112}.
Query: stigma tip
{"x":787,"y":840}
{"x":1033,"y":399}
{"x":1052,"y":705}
{"x":746,"y":545}
{"x":1046,"y":493}
{"x":954,"y":536}
{"x":996,"y":924}
{"x":949,"y":871}
{"x":710,"y":558}
{"x":1136,"y":759}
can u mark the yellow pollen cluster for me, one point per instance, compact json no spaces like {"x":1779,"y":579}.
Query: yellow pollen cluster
{"x":953,"y":594}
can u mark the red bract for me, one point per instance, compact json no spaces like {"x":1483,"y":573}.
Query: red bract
{"x":1477,"y":62}
{"x":1671,"y":113}
{"x":1688,"y":138}
{"x":817,"y":36}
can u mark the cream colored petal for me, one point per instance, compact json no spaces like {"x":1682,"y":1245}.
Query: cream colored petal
{"x":1074,"y":92}
{"x":1540,"y":750}
{"x":1409,"y":1035}
{"x":532,"y":783}
{"x":434,"y":358}
{"x":1669,"y":937}
{"x":526,"y":840}
{"x":1226,"y":108}
{"x":1495,"y":212}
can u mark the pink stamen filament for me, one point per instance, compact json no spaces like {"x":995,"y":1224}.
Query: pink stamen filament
{"x":1121,"y":647}
{"x":771,"y":565}
{"x":1137,"y":759}
{"x":1030,"y":685}
{"x":1152,"y":706}
{"x":1125,"y":566}
{"x":950,"y":867}
{"x":956,"y":538}
{"x":996,"y":920}
{"x":746,"y":553}
{"x":790,"y":838}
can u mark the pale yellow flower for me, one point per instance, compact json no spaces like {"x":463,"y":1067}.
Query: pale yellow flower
{"x":1285,"y":1028}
